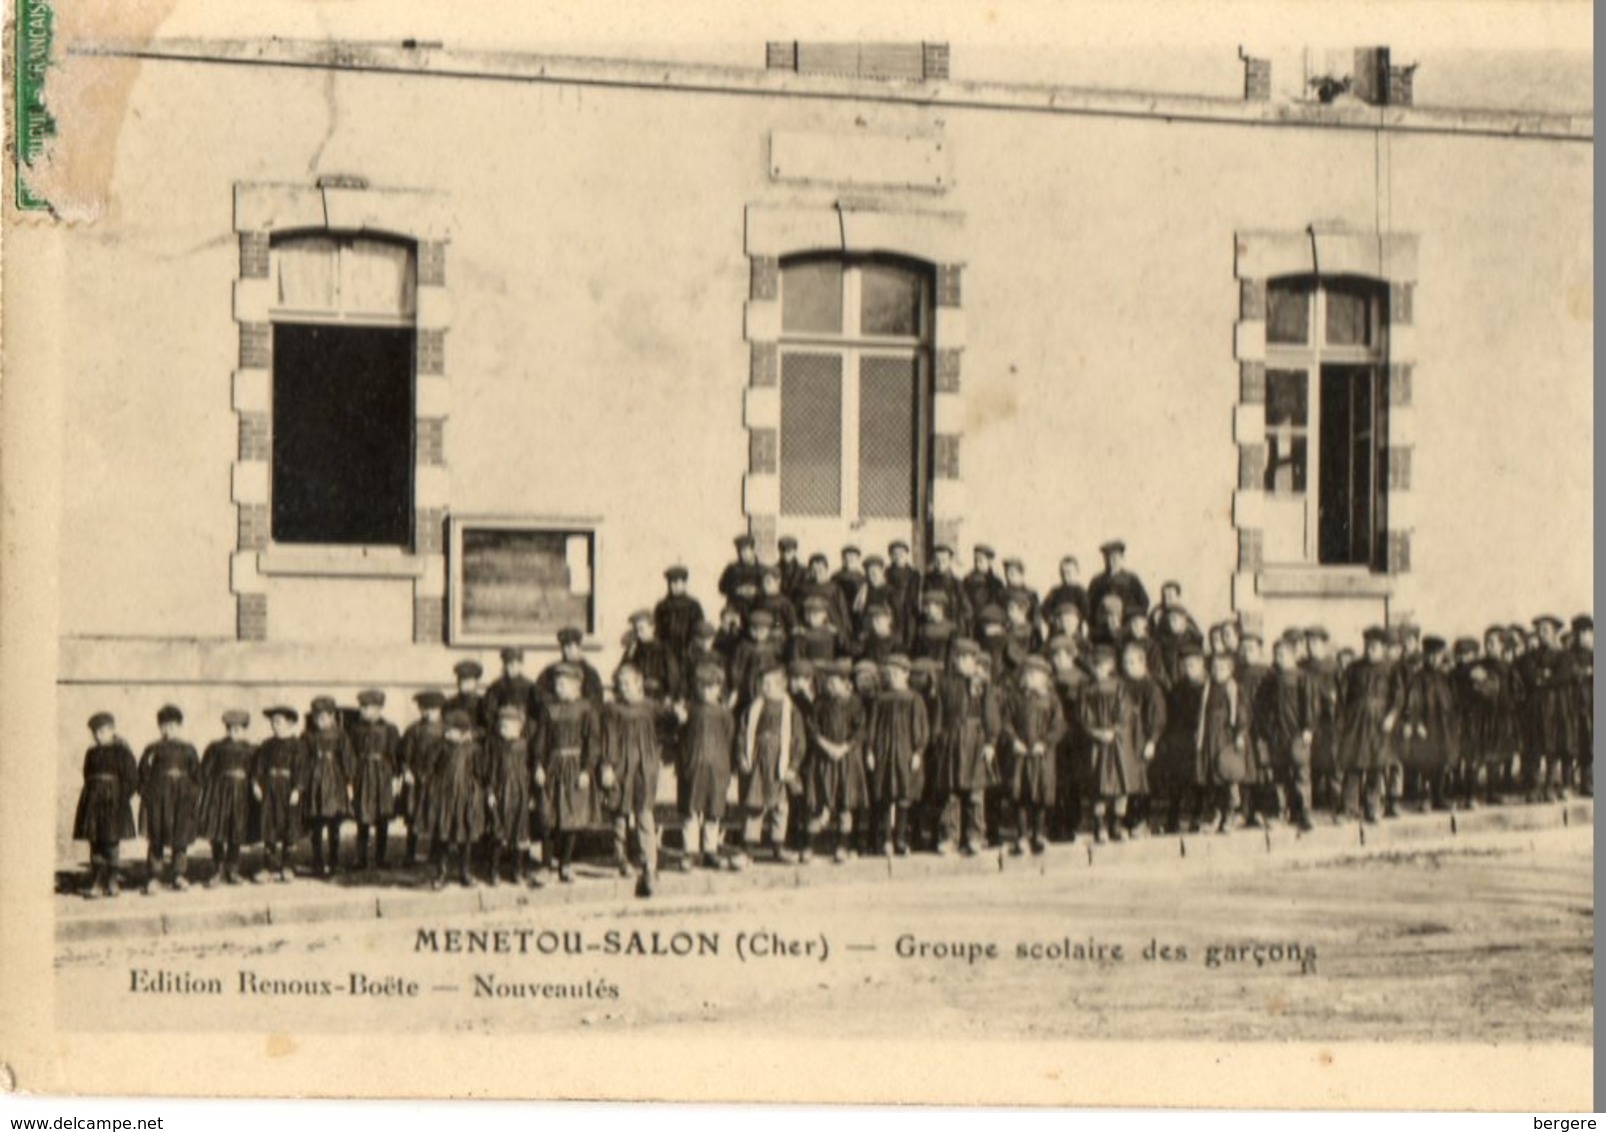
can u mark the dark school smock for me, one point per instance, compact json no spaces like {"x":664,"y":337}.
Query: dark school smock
{"x":631,"y":748}
{"x":1285,"y":708}
{"x":373,"y":768}
{"x":838,"y":785}
{"x":508,"y":790}
{"x":774,"y":743}
{"x":1175,"y":756}
{"x":228,"y":810}
{"x":457,"y":792}
{"x":968,"y":718}
{"x":416,"y":755}
{"x":1034,"y":720}
{"x":1143,"y":724}
{"x":1368,"y":698}
{"x":1102,"y":708}
{"x":323,"y":791}
{"x":566,"y":747}
{"x":169,"y":793}
{"x":703,"y":769}
{"x":105,"y":811}
{"x":1223,"y":736}
{"x":279,"y":771}
{"x":1430,"y":706}
{"x":899,"y":729}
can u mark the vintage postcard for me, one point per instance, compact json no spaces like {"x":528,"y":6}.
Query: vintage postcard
{"x":1010,"y":554}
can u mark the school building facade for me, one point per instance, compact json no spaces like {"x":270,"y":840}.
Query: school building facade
{"x":407,"y":352}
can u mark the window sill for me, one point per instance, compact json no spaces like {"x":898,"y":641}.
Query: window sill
{"x":341,"y":562}
{"x":1323,"y":581}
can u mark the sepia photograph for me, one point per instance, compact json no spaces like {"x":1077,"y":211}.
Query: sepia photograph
{"x":1008,"y":554}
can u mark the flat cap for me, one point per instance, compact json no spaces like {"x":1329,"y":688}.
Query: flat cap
{"x":169,"y":713}
{"x":512,"y":653}
{"x":510,"y":711}
{"x":990,"y":615}
{"x":1432,"y":646}
{"x":1037,"y":664}
{"x":851,"y":548}
{"x":761,"y":619}
{"x":640,"y":615}
{"x":323,"y":703}
{"x":1583,"y":623}
{"x":1465,"y":645}
{"x":743,"y":542}
{"x":1061,"y":643}
{"x":1375,"y":633}
{"x":878,"y":609}
{"x":897,"y":544}
{"x":1103,"y":651}
{"x":769,"y":571}
{"x":925,"y":666}
{"x":1017,"y":596}
{"x":896,"y":660}
{"x":704,"y":631}
{"x":236,"y":717}
{"x":800,"y":668}
{"x":1114,"y":546}
{"x":430,"y":700}
{"x":966,"y":647}
{"x":771,"y":667}
{"x":943,"y":548}
{"x":866,"y":667}
{"x":566,"y":671}
{"x":468,"y":670}
{"x":819,"y":559}
{"x":570,"y":636}
{"x":786,"y":542}
{"x":370,"y":697}
{"x":677,"y":574}
{"x":873,"y":560}
{"x":935,"y":596}
{"x":986,"y":551}
{"x":1316,"y":633}
{"x":816,"y":603}
{"x":1189,"y":647}
{"x":1014,"y":564}
{"x":282,"y":711}
{"x":710,"y":675}
{"x":102,"y":719}
{"x":459,"y":720}
{"x":1548,"y":619}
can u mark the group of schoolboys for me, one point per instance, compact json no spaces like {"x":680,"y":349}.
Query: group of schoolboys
{"x":873,"y":708}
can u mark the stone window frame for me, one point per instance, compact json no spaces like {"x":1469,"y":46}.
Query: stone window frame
{"x":1391,"y":260}
{"x":343,"y":205}
{"x":776,"y":232}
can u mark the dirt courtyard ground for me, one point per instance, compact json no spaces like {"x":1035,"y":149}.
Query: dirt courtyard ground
{"x":1487,"y":941}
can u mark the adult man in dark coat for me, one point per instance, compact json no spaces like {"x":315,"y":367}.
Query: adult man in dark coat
{"x":739,"y":584}
{"x":1117,"y":579}
{"x":675,"y":616}
{"x":903,"y":590}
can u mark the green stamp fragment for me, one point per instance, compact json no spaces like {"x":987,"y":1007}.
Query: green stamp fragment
{"x":35,"y":27}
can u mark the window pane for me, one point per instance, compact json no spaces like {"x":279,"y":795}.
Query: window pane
{"x":889,"y":300}
{"x":306,"y":273}
{"x":525,"y":582}
{"x":1285,"y":464}
{"x":1350,"y":314}
{"x":811,"y":296}
{"x":888,"y":388}
{"x":811,"y":434}
{"x":1288,"y":312}
{"x":376,"y":278}
{"x":342,"y":435}
{"x":1287,"y":398}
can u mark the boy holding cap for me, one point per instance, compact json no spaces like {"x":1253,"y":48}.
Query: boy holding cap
{"x":326,"y":794}
{"x":169,"y":792}
{"x":373,"y":771}
{"x":419,"y":750}
{"x":105,"y":816}
{"x":226,"y":809}
{"x":281,"y":768}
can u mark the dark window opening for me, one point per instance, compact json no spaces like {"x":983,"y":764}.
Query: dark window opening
{"x":343,"y":434}
{"x":1354,"y":428}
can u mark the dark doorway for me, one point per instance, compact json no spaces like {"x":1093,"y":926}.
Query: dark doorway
{"x":342,"y":434}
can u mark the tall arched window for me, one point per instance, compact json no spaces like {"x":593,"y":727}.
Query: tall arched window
{"x":344,"y":337}
{"x":1326,"y":421}
{"x":855,"y":430}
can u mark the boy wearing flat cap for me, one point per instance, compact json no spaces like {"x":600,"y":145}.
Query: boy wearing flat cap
{"x":1070,"y":590}
{"x":1430,"y":727}
{"x":982,"y":586}
{"x":1283,"y":722}
{"x":470,"y":697}
{"x":1369,"y":711}
{"x":227,"y":808}
{"x":326,"y":793}
{"x":850,"y":581}
{"x":511,"y":689}
{"x":373,"y":772}
{"x":674,"y":618}
{"x":277,"y":777}
{"x":818,"y":583}
{"x":941,"y":578}
{"x":105,"y":816}
{"x":1118,"y":580}
{"x":1546,"y":712}
{"x":739,"y":583}
{"x":903,"y":590}
{"x":570,"y":642}
{"x":777,"y":604}
{"x":875,"y":591}
{"x":420,"y":749}
{"x":169,"y":795}
{"x":790,"y":566}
